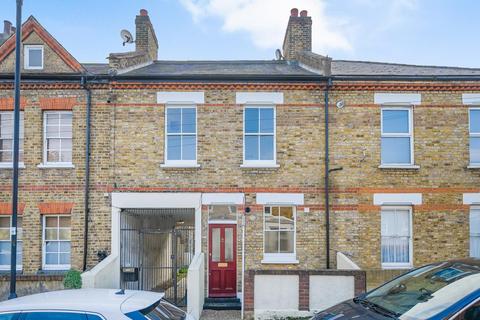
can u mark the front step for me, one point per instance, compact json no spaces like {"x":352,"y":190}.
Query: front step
{"x":222,"y":304}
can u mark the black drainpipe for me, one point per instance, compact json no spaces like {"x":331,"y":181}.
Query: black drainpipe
{"x":327,"y":173}
{"x":87,"y":171}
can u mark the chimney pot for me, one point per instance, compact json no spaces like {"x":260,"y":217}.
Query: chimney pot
{"x":303,"y":13}
{"x":294,"y":12}
{"x":143,"y":12}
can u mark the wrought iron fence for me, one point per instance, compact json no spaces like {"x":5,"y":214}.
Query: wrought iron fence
{"x":161,"y":249}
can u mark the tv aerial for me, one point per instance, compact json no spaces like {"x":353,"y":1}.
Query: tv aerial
{"x":278,"y":54}
{"x":126,"y":36}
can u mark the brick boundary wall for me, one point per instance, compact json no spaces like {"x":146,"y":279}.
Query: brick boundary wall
{"x":31,"y":284}
{"x":360,"y":284}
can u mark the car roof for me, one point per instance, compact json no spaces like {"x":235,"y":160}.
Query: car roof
{"x":475,"y":262}
{"x":89,"y":300}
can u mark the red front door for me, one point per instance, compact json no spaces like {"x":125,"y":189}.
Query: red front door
{"x":222,"y":262}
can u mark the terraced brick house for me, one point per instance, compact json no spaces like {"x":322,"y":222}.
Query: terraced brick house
{"x":225,"y":176}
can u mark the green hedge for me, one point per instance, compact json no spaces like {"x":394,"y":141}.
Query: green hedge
{"x":73,"y":280}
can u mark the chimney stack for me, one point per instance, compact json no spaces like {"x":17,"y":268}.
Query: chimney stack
{"x":145,"y":38}
{"x":298,"y":37}
{"x":7,"y":27}
{"x":8,"y":30}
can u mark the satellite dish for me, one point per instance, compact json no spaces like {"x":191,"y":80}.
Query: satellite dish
{"x":340,"y":104}
{"x":278,"y":54}
{"x":126,"y":36}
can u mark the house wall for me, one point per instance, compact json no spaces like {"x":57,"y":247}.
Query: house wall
{"x":52,"y":185}
{"x":139,"y":154}
{"x":440,"y":223}
{"x":128,"y":150}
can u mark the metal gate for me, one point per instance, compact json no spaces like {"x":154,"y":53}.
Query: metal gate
{"x":161,"y":247}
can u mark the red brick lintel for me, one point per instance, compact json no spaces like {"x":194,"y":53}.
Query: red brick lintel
{"x":6,"y":208}
{"x":55,"y":207}
{"x":63,"y":103}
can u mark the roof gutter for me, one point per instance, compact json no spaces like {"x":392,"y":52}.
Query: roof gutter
{"x":405,"y":78}
{"x":99,"y":78}
{"x":149,"y":78}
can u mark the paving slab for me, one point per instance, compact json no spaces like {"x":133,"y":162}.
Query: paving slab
{"x":221,"y":315}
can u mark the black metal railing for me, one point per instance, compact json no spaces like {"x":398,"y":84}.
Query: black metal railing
{"x":161,"y":256}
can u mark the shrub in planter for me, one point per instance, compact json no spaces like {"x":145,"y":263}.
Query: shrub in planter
{"x":73,"y":280}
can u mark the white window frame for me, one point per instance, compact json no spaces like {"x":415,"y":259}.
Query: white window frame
{"x":26,"y":49}
{"x":396,"y":265}
{"x":472,"y":135}
{"x":180,"y":163}
{"x":281,"y":258}
{"x":22,"y":137}
{"x":399,"y":135}
{"x":4,"y":267}
{"x":470,"y":234}
{"x":46,"y":163}
{"x":57,"y":267}
{"x":261,"y":163}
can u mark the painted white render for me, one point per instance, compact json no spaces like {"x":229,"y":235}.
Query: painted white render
{"x":398,"y":98}
{"x":471,"y":98}
{"x":321,"y":294}
{"x":274,"y":292}
{"x":380,"y":199}
{"x":223,"y":198}
{"x":259,"y":97}
{"x":189,"y":97}
{"x":280,"y":198}
{"x":471,"y":198}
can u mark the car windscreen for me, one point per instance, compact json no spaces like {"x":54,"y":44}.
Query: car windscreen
{"x":161,"y":310}
{"x":426,"y":291}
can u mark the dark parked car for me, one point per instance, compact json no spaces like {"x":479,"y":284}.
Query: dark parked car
{"x":444,"y":290}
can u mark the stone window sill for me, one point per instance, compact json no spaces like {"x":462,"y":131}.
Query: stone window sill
{"x":258,"y":165}
{"x":180,"y":165}
{"x":396,"y":266}
{"x":474,"y":166}
{"x":9,"y":165}
{"x":56,"y":166}
{"x":407,"y":167}
{"x":54,"y":270}
{"x":280,"y":259}
{"x":4,"y":270}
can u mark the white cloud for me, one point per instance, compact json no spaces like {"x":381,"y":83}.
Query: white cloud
{"x":266,"y":20}
{"x":391,"y":14}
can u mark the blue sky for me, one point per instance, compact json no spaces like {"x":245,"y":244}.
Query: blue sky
{"x":438,"y":32}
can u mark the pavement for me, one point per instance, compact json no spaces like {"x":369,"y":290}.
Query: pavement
{"x":221,"y":315}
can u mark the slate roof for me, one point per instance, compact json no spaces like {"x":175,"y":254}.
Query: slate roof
{"x":221,"y":67}
{"x":282,"y":68}
{"x":96,"y":68}
{"x":352,"y":68}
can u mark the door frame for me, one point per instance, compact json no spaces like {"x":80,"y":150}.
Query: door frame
{"x":224,"y":224}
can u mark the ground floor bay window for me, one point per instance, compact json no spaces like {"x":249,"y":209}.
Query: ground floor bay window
{"x":56,"y":242}
{"x":279,"y":234}
{"x":475,"y":232}
{"x":396,"y":237}
{"x":5,"y":243}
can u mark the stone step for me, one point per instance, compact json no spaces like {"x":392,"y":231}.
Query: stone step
{"x":222,"y":304}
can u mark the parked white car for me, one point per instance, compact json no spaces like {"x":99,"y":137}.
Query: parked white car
{"x":91,"y":304}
